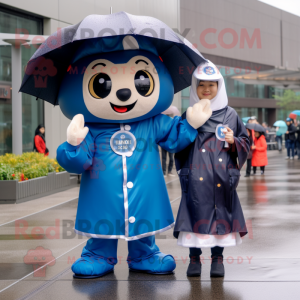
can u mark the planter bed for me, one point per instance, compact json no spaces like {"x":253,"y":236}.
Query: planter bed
{"x":12,"y":191}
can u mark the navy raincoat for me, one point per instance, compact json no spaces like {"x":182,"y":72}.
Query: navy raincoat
{"x":209,"y":175}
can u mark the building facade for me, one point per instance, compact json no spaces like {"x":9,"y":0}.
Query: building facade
{"x":243,"y":36}
{"x":239,"y":36}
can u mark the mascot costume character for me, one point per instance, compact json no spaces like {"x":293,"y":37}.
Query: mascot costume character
{"x":114,"y":90}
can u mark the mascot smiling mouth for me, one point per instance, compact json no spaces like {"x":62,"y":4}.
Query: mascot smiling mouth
{"x":122,"y":109}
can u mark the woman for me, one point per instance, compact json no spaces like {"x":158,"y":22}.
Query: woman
{"x":259,"y":157}
{"x":39,"y":143}
{"x":210,"y":213}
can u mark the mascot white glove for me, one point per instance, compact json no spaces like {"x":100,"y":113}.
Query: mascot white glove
{"x":199,"y":113}
{"x":76,"y":131}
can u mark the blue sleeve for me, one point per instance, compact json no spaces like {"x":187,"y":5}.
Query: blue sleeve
{"x":76,"y":159}
{"x":174,"y":134}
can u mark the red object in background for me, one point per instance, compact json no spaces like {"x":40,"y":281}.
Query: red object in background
{"x":40,"y":144}
{"x":292,"y":116}
{"x":22,"y":177}
{"x":259,"y":157}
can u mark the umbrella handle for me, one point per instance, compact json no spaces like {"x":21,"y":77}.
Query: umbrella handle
{"x":226,"y":145}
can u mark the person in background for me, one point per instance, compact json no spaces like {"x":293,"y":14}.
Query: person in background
{"x":298,"y":139}
{"x":290,"y":138}
{"x":279,"y":139}
{"x":295,"y":123}
{"x":267,"y":135}
{"x":259,"y":157}
{"x":39,"y":143}
{"x":164,"y":160}
{"x":251,"y":120}
{"x":249,"y":158}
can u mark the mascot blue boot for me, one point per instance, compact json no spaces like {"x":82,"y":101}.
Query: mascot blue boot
{"x":114,"y":96}
{"x":100,"y":255}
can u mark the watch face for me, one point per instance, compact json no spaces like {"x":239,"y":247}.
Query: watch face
{"x":123,"y":143}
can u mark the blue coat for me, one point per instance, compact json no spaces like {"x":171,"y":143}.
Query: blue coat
{"x":124,"y":197}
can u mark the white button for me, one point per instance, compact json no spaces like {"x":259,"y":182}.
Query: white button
{"x":203,"y":150}
{"x":131,"y":220}
{"x":127,"y":127}
{"x":220,"y":159}
{"x":129,"y":184}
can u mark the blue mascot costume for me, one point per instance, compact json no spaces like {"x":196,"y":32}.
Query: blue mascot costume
{"x":114,"y":97}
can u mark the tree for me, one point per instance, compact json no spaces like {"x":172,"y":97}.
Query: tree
{"x":289,"y":100}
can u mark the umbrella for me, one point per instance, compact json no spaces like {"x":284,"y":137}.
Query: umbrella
{"x":245,"y":120}
{"x":279,"y":123}
{"x":255,"y":127}
{"x":97,"y":34}
{"x":172,"y":110}
{"x":282,"y":127}
{"x":292,"y":115}
{"x":296,"y":112}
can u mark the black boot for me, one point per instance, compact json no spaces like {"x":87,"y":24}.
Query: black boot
{"x":194,"y":268}
{"x":217,"y":267}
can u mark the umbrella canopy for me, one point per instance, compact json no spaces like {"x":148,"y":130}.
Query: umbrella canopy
{"x":255,"y":127}
{"x":296,"y":112}
{"x":280,"y":123}
{"x":245,"y":120}
{"x":282,"y":127}
{"x":292,"y":116}
{"x":98,"y":34}
{"x":172,"y":110}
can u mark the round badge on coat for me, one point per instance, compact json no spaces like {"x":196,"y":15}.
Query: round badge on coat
{"x":123,"y":143}
{"x":220,"y":133}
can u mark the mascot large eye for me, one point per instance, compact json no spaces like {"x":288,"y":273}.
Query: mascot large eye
{"x":100,"y":85}
{"x":144,"y":83}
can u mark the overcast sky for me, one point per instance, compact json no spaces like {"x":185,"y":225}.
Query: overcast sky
{"x":291,"y":6}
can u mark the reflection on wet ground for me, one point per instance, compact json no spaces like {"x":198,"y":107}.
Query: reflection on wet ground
{"x":265,"y":266}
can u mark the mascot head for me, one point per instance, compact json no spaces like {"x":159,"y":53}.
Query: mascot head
{"x":124,"y":81}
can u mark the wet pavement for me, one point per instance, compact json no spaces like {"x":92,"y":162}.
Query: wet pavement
{"x":265,"y":266}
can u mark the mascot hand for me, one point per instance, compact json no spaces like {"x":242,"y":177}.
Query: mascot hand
{"x":199,"y":113}
{"x":76,"y":131}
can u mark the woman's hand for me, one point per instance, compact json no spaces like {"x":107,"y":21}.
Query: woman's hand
{"x":229,"y":136}
{"x":253,"y":147}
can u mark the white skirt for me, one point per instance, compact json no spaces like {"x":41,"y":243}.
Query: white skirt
{"x":198,"y":240}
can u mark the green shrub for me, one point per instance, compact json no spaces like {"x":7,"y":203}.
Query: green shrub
{"x":27,"y":166}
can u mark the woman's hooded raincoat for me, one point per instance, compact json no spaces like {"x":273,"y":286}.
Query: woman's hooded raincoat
{"x":209,"y":173}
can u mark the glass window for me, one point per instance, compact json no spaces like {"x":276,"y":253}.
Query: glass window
{"x":282,"y":114}
{"x":32,"y":111}
{"x":185,"y":92}
{"x":235,"y":88}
